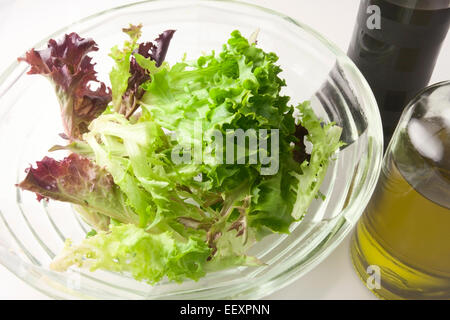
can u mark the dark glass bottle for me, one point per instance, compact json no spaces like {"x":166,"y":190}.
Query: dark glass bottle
{"x":398,"y":58}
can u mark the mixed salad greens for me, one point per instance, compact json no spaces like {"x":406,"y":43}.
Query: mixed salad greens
{"x":152,"y":215}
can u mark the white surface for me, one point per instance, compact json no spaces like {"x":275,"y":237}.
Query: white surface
{"x":24,"y":22}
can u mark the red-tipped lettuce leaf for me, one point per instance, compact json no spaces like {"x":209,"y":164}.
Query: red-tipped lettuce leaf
{"x":128,"y":75}
{"x":157,"y":51}
{"x":79,"y":181}
{"x":66,"y":64}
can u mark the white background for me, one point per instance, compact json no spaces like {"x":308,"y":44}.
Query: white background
{"x":25,"y":22}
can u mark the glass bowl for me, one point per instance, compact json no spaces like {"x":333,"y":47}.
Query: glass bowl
{"x":31,"y":233}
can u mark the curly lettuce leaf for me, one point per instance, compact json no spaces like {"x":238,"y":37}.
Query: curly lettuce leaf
{"x":79,"y":181}
{"x":239,"y":88}
{"x":157,"y":51}
{"x":130,"y":249}
{"x":66,"y":64}
{"x":155,"y":188}
{"x":134,"y":156}
{"x":127,"y":75}
{"x":273,"y":202}
{"x":325,"y":141}
{"x":280,"y":200}
{"x":120,"y":73}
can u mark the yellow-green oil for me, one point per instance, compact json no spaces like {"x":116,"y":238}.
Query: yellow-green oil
{"x":405,"y":230}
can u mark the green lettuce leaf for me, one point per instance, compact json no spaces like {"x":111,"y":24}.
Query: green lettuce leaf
{"x":129,"y":249}
{"x":140,"y":167}
{"x":325,"y":141}
{"x":239,"y":88}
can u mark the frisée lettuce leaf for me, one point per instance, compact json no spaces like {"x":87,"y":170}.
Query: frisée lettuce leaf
{"x":130,"y":249}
